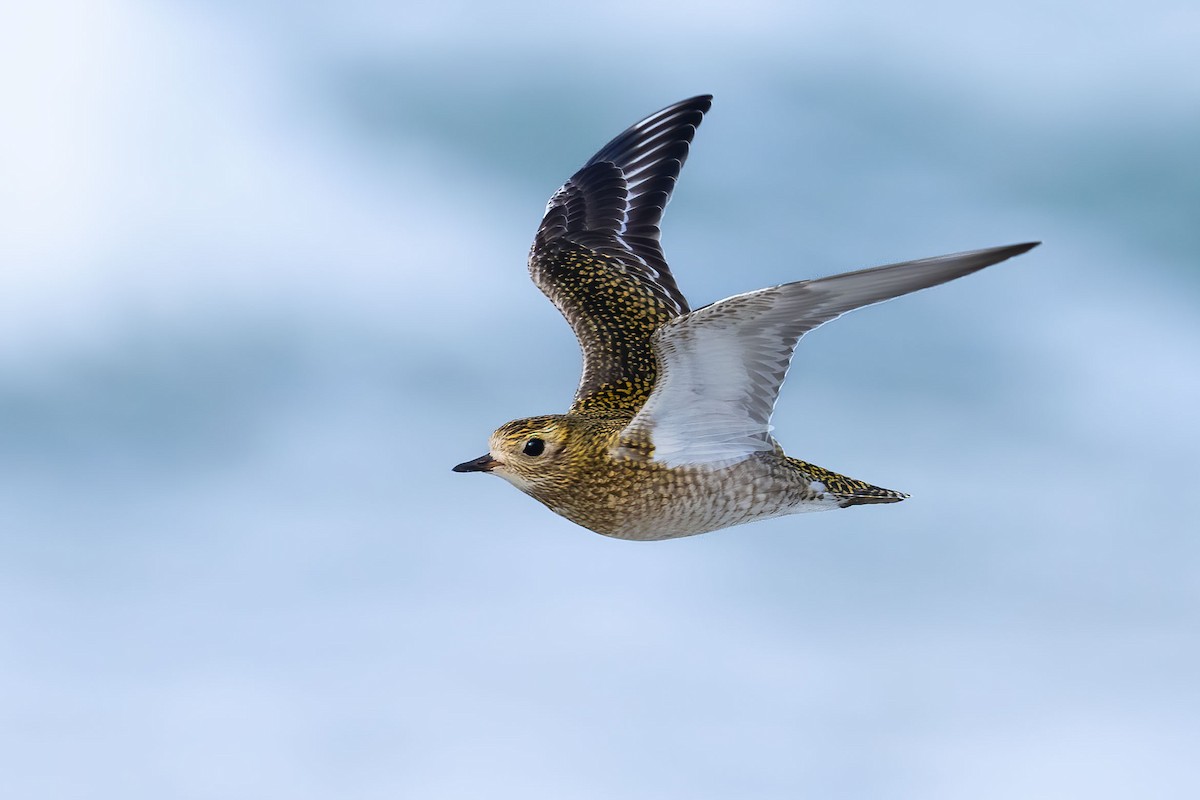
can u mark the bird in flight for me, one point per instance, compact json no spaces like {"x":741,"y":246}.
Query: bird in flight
{"x":669,"y":434}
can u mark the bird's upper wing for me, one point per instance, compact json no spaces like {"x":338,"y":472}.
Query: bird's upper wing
{"x":720,"y":367}
{"x":597,"y":255}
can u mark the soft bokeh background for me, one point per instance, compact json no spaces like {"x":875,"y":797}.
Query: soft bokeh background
{"x":263,"y":283}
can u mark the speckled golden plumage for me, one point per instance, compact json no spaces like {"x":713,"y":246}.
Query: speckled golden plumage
{"x":669,"y":431}
{"x":638,"y":498}
{"x":614,"y":315}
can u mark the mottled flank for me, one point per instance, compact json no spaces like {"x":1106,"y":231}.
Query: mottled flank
{"x":576,"y":475}
{"x":669,"y":433}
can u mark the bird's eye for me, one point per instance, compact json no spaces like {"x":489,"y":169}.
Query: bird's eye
{"x":534,"y":447}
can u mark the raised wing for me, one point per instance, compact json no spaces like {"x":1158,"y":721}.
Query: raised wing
{"x":720,"y":367}
{"x":597,"y":255}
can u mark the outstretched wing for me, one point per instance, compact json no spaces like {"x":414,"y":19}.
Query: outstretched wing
{"x":720,"y":367}
{"x":597,"y":255}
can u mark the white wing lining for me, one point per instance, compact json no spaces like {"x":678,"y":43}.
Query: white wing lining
{"x":720,"y":367}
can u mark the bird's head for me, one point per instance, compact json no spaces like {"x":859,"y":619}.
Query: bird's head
{"x":530,"y":453}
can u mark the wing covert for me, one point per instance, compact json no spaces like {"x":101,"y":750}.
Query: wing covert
{"x":597,"y":255}
{"x":721,"y":366}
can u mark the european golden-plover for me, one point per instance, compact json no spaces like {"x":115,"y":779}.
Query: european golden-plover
{"x":669,"y":434}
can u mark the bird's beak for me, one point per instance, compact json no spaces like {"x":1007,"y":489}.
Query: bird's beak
{"x":484,"y":463}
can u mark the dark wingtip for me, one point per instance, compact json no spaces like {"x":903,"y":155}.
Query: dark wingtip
{"x":1003,"y":252}
{"x":975,"y":260}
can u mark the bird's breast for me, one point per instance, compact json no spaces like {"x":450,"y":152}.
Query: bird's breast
{"x":643,"y":500}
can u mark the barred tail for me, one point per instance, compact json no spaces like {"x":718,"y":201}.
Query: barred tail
{"x":848,"y":491}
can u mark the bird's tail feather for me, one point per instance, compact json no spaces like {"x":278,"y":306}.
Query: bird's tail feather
{"x":848,"y":491}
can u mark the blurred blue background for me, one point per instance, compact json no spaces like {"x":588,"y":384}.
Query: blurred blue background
{"x":263,"y":284}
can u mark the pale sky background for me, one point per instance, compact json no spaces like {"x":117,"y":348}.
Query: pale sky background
{"x":263,"y":284}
